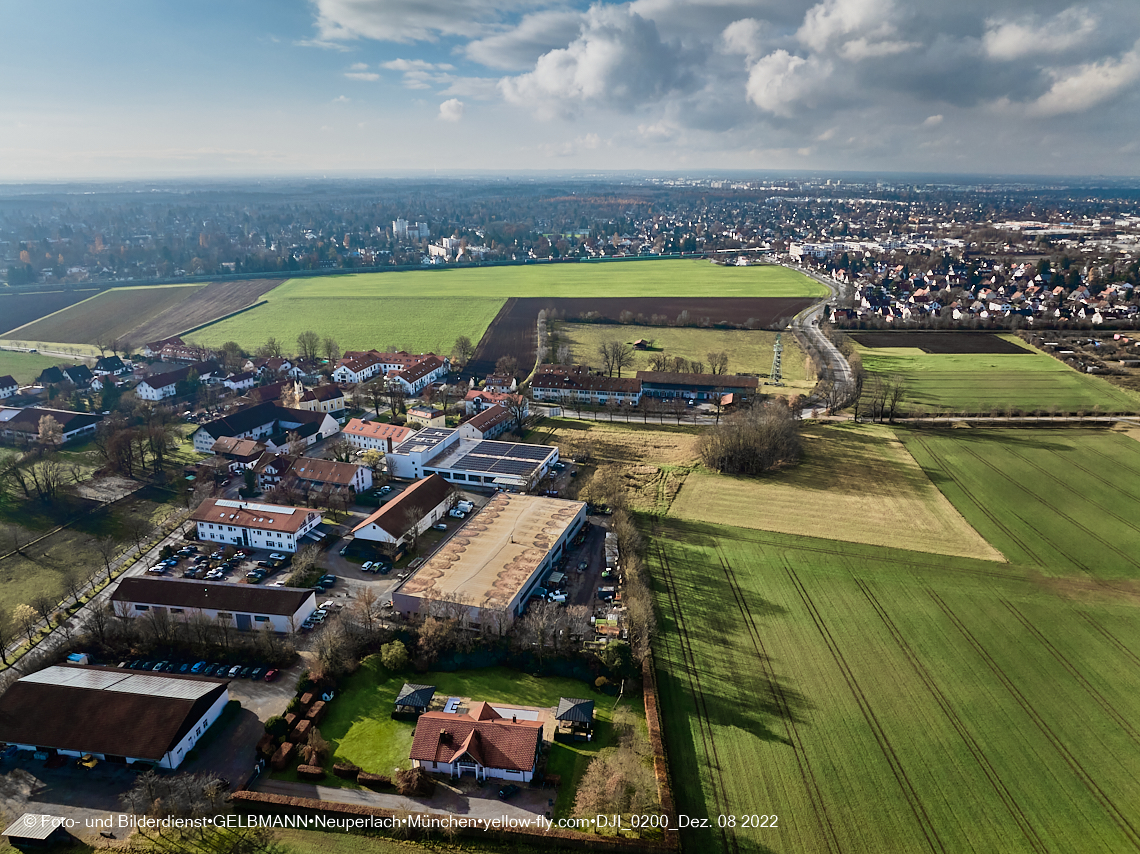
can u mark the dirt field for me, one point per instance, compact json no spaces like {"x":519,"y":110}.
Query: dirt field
{"x":19,"y":308}
{"x":213,"y":301}
{"x":941,"y":342}
{"x":858,"y":484}
{"x":513,"y":330}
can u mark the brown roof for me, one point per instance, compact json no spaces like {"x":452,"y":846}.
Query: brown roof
{"x":323,"y":392}
{"x":185,"y":593}
{"x":490,"y":739}
{"x":490,"y":417}
{"x":324,"y":471}
{"x":722,"y":381}
{"x":417,"y":500}
{"x":586,"y":382}
{"x":111,"y":712}
{"x":238,"y":447}
{"x":378,"y":430}
{"x":421,"y":368}
{"x":263,"y":517}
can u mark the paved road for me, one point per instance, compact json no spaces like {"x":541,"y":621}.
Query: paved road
{"x":835,"y":366}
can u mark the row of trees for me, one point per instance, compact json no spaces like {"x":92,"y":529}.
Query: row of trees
{"x":752,"y":441}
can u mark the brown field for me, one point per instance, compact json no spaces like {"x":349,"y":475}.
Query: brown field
{"x":855,"y":483}
{"x":513,"y":330}
{"x":20,"y":308}
{"x":215,"y":300}
{"x":941,"y":342}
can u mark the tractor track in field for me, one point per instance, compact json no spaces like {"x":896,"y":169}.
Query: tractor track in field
{"x":1000,"y":789}
{"x":1110,"y":637}
{"x":981,"y":505}
{"x":818,"y":802}
{"x":708,"y":742}
{"x":904,"y":781}
{"x":1115,"y":463}
{"x":1090,"y":689}
{"x":1115,"y":813}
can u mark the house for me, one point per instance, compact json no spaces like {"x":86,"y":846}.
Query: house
{"x":107,"y":381}
{"x":477,"y":400}
{"x":154,"y":349}
{"x":240,"y":382}
{"x":118,"y":716}
{"x":488,"y":424}
{"x":374,"y":435}
{"x":79,"y":375}
{"x":501,"y":383}
{"x":358,"y":366}
{"x":426,"y":416}
{"x":414,"y":698}
{"x":273,"y":365}
{"x":268,"y":422}
{"x":574,"y":384}
{"x":240,"y":454}
{"x":110,"y":365}
{"x":418,"y":376}
{"x":51,"y":376}
{"x":162,"y":386}
{"x":247,"y":606}
{"x":695,"y":386}
{"x":416,"y":509}
{"x":23,"y":425}
{"x":8,"y":386}
{"x":271,"y":469}
{"x":324,"y":398}
{"x":309,"y":474}
{"x":261,"y":526}
{"x":482,"y":743}
{"x":267,"y":393}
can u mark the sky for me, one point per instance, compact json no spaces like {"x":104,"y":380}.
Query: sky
{"x":139,"y":89}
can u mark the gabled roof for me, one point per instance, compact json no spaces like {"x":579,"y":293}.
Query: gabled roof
{"x":323,"y":392}
{"x":186,"y":593}
{"x":230,"y":446}
{"x":722,"y":381}
{"x":412,"y":504}
{"x":325,"y":471}
{"x":420,"y":369}
{"x":493,"y":742}
{"x":7,"y":381}
{"x":258,"y":415}
{"x":415,"y":695}
{"x":575,"y":710}
{"x":377,"y":430}
{"x":249,"y":514}
{"x":490,"y":417}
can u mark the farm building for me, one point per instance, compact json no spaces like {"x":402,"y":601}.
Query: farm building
{"x":488,"y":424}
{"x":356,"y":366}
{"x":8,"y":386}
{"x":239,"y":453}
{"x":249,"y":606}
{"x":498,"y":560}
{"x":444,"y":451}
{"x":374,"y":435}
{"x":23,"y":425}
{"x":118,"y":716}
{"x":695,"y":386}
{"x":416,"y":377}
{"x":267,"y":421}
{"x":261,"y":526}
{"x":323,"y":398}
{"x":422,"y":504}
{"x":575,"y":384}
{"x":426,"y":416}
{"x":482,"y":743}
{"x":310,"y":473}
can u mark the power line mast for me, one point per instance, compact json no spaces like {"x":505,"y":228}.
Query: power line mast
{"x":774,"y":377}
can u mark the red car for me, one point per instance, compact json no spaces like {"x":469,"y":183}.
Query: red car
{"x":271,"y":675}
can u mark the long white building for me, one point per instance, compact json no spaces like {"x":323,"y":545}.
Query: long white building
{"x":245,"y":606}
{"x":259,"y":526}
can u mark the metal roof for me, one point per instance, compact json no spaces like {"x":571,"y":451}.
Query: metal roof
{"x":124,"y":681}
{"x":415,"y":695}
{"x":575,"y":709}
{"x":33,"y":825}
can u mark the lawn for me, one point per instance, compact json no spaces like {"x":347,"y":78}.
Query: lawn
{"x":994,"y":382}
{"x":359,"y":728}
{"x":25,"y":367}
{"x":107,"y":316}
{"x":855,"y":482}
{"x":1061,"y":500}
{"x":749,"y":351}
{"x":881,"y":700}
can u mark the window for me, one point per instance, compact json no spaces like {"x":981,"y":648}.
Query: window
{"x":142,"y":607}
{"x":261,"y":619}
{"x":223,"y":615}
{"x":175,"y":610}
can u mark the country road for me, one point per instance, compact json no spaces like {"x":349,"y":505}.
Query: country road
{"x":806,"y":322}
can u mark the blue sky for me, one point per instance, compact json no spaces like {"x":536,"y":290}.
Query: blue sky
{"x":253,"y":87}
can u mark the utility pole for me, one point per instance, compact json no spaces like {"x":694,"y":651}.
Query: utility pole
{"x":777,"y":354}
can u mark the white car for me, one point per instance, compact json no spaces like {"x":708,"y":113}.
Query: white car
{"x":439,"y":526}
{"x":276,"y":557}
{"x":366,"y":566}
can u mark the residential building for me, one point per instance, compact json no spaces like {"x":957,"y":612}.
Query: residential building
{"x":309,"y":474}
{"x":79,"y":375}
{"x":8,"y":386}
{"x":268,"y":422}
{"x":477,"y":400}
{"x":426,"y":416}
{"x":695,"y":386}
{"x":404,"y":230}
{"x":418,"y":376}
{"x":481,"y":742}
{"x":162,"y":386}
{"x":23,"y":425}
{"x":509,"y":465}
{"x":110,"y":365}
{"x":245,"y":606}
{"x":501,"y":383}
{"x":271,"y":469}
{"x":154,"y":349}
{"x":374,"y":435}
{"x":240,"y":382}
{"x":240,"y":454}
{"x":324,"y":398}
{"x":488,"y":424}
{"x":417,"y":508}
{"x":260,"y":526}
{"x":507,"y":550}
{"x":575,"y":384}
{"x":118,"y":716}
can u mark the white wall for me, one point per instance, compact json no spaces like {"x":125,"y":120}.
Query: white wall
{"x":175,"y":757}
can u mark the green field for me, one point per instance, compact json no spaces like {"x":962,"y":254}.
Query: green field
{"x":890,"y":701}
{"x":749,"y":351}
{"x":993,"y":382}
{"x":25,"y":367}
{"x":106,"y":316}
{"x":428,"y":309}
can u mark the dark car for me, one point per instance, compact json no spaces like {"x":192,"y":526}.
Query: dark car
{"x":272,"y":674}
{"x":185,"y":668}
{"x":209,"y":669}
{"x":258,"y":673}
{"x":245,"y":672}
{"x":508,"y":791}
{"x":172,"y":667}
{"x":265,"y":564}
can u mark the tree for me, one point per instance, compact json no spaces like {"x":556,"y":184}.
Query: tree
{"x":366,"y":609}
{"x":51,"y":432}
{"x":374,"y":459}
{"x":396,"y":396}
{"x":375,"y":392}
{"x":315,"y":750}
{"x":463,"y":350}
{"x":753,"y":441}
{"x":517,"y":405}
{"x":233,"y":356}
{"x":7,"y":634}
{"x":24,"y":616}
{"x":308,"y":344}
{"x":270,"y":349}
{"x":507,"y":365}
{"x":615,"y":356}
{"x":290,"y":394}
{"x":331,"y":348}
{"x":394,"y":656}
{"x":718,"y":362}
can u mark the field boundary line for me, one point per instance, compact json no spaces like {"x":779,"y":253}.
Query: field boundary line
{"x":1115,"y":813}
{"x":209,"y":323}
{"x":1110,"y":637}
{"x":972,"y":745}
{"x":908,"y":790}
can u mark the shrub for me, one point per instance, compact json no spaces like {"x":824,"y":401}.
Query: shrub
{"x":304,"y":682}
{"x":394,"y":656}
{"x":346,"y":770}
{"x":292,"y":705}
{"x":752,"y":442}
{"x":415,"y":783}
{"x":374,"y":781}
{"x":310,"y":772}
{"x":276,"y":726}
{"x":283,"y":756}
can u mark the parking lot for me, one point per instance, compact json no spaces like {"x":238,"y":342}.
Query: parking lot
{"x":215,"y":562}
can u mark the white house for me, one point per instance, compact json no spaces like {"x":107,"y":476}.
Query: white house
{"x":240,"y":382}
{"x":259,"y":526}
{"x":265,"y":421}
{"x":488,"y":424}
{"x":246,"y":606}
{"x":421,"y":505}
{"x":374,"y":435}
{"x":483,"y":743}
{"x":8,"y":387}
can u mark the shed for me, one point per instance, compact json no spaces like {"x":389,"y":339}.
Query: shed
{"x":575,"y":713}
{"x":36,"y":830}
{"x":414,"y":698}
{"x":556,"y":578}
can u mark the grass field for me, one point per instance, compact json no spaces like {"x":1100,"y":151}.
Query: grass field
{"x":427,"y":310}
{"x":109,"y":315}
{"x":1065,"y":501}
{"x":882,"y":700}
{"x":749,"y":351}
{"x":855,"y":483}
{"x":992,"y":382}
{"x":25,"y":367}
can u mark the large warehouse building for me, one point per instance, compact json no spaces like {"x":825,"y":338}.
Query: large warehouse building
{"x":497,"y":560}
{"x":444,"y":451}
{"x":245,"y":606}
{"x":118,"y":716}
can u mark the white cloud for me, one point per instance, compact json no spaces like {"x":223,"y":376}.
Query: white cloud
{"x":932,"y":121}
{"x":362,"y":75}
{"x":451,"y":110}
{"x":780,"y":80}
{"x":340,"y":99}
{"x":519,"y":47}
{"x":359,"y":66}
{"x":1013,"y":39}
{"x":743,"y":36}
{"x":421,"y":74}
{"x":415,"y":65}
{"x":1081,"y":88}
{"x":404,"y":21}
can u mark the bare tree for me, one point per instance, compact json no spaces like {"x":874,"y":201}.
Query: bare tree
{"x":331,"y":348}
{"x":366,"y":610}
{"x":508,"y":365}
{"x":24,"y":616}
{"x":463,"y":350}
{"x":7,"y":634}
{"x":308,"y":344}
{"x":517,"y":405}
{"x":753,"y":441}
{"x":50,"y":431}
{"x":718,"y":362}
{"x":98,"y":622}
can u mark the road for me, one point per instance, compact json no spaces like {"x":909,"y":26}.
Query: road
{"x":835,"y":366}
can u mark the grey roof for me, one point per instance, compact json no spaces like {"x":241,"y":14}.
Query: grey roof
{"x":185,"y":593}
{"x":34,"y":825}
{"x":415,"y":695}
{"x":575,"y":710}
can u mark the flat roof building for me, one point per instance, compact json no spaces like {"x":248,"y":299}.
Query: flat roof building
{"x":119,"y":716}
{"x":445,"y":451}
{"x":496,"y":561}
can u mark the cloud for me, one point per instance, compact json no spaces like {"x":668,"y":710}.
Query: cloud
{"x":1013,"y":39}
{"x":362,"y":75}
{"x":1081,"y":88}
{"x":451,"y":110}
{"x":403,"y":21}
{"x":779,"y":80}
{"x":519,"y":47}
{"x":415,"y":65}
{"x":421,"y":74}
{"x":743,"y":36}
{"x":932,"y":121}
{"x":359,"y":66}
{"x":340,"y":99}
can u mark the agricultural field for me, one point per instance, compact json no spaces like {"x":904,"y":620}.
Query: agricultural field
{"x":1064,"y":501}
{"x":1022,"y":381}
{"x":25,"y":367}
{"x":855,"y":482}
{"x":749,"y":351}
{"x":19,"y":308}
{"x":873,"y":699}
{"x":215,"y":300}
{"x":109,"y":315}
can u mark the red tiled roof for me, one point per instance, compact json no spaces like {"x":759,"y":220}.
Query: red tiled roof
{"x":490,"y":740}
{"x":490,"y":417}
{"x":377,"y":430}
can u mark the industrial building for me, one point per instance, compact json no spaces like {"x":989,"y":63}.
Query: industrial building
{"x":445,"y":451}
{"x":496,"y":561}
{"x":118,"y":716}
{"x":246,"y":606}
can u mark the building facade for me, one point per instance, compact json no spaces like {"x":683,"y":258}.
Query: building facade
{"x":259,"y":526}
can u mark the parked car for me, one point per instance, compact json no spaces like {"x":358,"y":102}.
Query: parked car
{"x":159,"y":666}
{"x":384,"y":490}
{"x":245,"y":672}
{"x":199,"y":667}
{"x":234,"y":671}
{"x":272,"y":674}
{"x":331,"y":579}
{"x":457,"y":514}
{"x":185,"y":668}
{"x":277,"y":557}
{"x":366,"y":566}
{"x":385,"y":568}
{"x":257,"y":674}
{"x":508,"y":791}
{"x":265,"y":564}
{"x":439,"y":526}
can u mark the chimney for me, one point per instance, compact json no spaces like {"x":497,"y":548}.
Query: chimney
{"x":514,"y":719}
{"x":444,"y":735}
